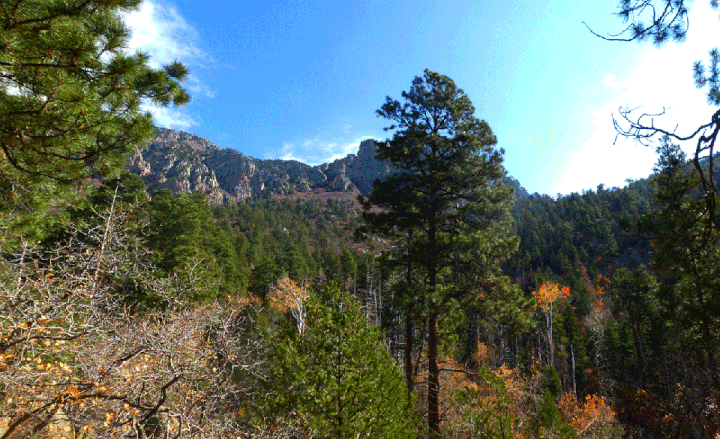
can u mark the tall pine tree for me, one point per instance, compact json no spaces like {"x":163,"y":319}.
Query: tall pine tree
{"x":448,"y":204}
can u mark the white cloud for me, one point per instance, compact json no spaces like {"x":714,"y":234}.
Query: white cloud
{"x":663,"y":82}
{"x":334,"y":142}
{"x":170,"y":117}
{"x":611,"y":82}
{"x":316,"y":151}
{"x":288,"y":152}
{"x":198,"y":88}
{"x":159,"y":30}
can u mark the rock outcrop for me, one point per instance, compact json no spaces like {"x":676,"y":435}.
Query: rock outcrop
{"x":183,"y":162}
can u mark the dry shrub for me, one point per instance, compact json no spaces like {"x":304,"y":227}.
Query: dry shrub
{"x":79,"y":359}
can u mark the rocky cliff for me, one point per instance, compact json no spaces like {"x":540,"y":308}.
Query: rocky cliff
{"x":184,"y":162}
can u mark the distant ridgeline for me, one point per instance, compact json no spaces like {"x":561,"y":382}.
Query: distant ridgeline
{"x":184,"y":162}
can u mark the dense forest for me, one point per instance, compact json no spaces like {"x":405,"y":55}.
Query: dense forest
{"x":444,"y":304}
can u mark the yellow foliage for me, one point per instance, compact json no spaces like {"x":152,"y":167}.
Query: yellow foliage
{"x":287,"y":295}
{"x":549,"y":293}
{"x":591,"y":418}
{"x":73,"y":391}
{"x":484,"y":354}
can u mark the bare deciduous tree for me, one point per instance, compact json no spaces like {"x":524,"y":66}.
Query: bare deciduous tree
{"x":80,"y":358}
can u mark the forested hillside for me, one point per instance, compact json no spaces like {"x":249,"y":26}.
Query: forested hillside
{"x":413,"y":290}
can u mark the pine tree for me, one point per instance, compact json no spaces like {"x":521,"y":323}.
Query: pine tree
{"x":447,"y":202}
{"x":669,"y":327}
{"x":186,"y":241}
{"x":687,"y":254}
{"x":333,"y":376}
{"x":70,"y":100}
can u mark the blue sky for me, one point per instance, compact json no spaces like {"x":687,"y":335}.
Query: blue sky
{"x":302,"y":79}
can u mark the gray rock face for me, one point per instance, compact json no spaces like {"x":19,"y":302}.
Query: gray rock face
{"x":366,"y":168}
{"x":181,"y":169}
{"x":357,"y":172}
{"x":183,"y":162}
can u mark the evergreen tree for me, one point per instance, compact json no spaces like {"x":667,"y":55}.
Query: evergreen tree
{"x":70,"y":97}
{"x":186,"y":240}
{"x":666,"y":339}
{"x":636,"y":297}
{"x":447,"y":199}
{"x":688,"y":253}
{"x":335,"y":378}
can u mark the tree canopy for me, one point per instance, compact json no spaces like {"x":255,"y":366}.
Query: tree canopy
{"x":71,"y":96}
{"x":336,"y":377}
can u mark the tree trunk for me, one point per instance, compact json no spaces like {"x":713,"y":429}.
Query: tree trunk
{"x":408,"y":355}
{"x":409,"y":375}
{"x":433,"y":377}
{"x":639,"y":356}
{"x":572,"y":353}
{"x":433,"y":370}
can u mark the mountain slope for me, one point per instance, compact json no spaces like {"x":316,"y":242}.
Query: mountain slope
{"x":183,"y":162}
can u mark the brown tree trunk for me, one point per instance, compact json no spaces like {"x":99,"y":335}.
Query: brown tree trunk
{"x":639,"y":355}
{"x":409,"y":376}
{"x":433,"y":371}
{"x":433,"y":377}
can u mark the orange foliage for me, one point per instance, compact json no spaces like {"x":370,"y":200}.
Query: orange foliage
{"x":485,"y":402}
{"x":484,"y":355}
{"x":287,"y":295}
{"x":480,"y":401}
{"x":549,"y":293}
{"x":592,"y":418}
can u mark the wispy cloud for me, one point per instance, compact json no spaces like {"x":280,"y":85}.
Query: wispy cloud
{"x":170,"y":117}
{"x":663,"y":83}
{"x":316,"y":151}
{"x":325,"y":146}
{"x":159,"y":30}
{"x":287,"y":152}
{"x":611,"y":82}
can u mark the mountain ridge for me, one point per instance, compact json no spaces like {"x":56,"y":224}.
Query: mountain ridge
{"x":184,"y":162}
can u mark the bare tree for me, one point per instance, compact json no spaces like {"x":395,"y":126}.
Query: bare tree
{"x":77,"y":352}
